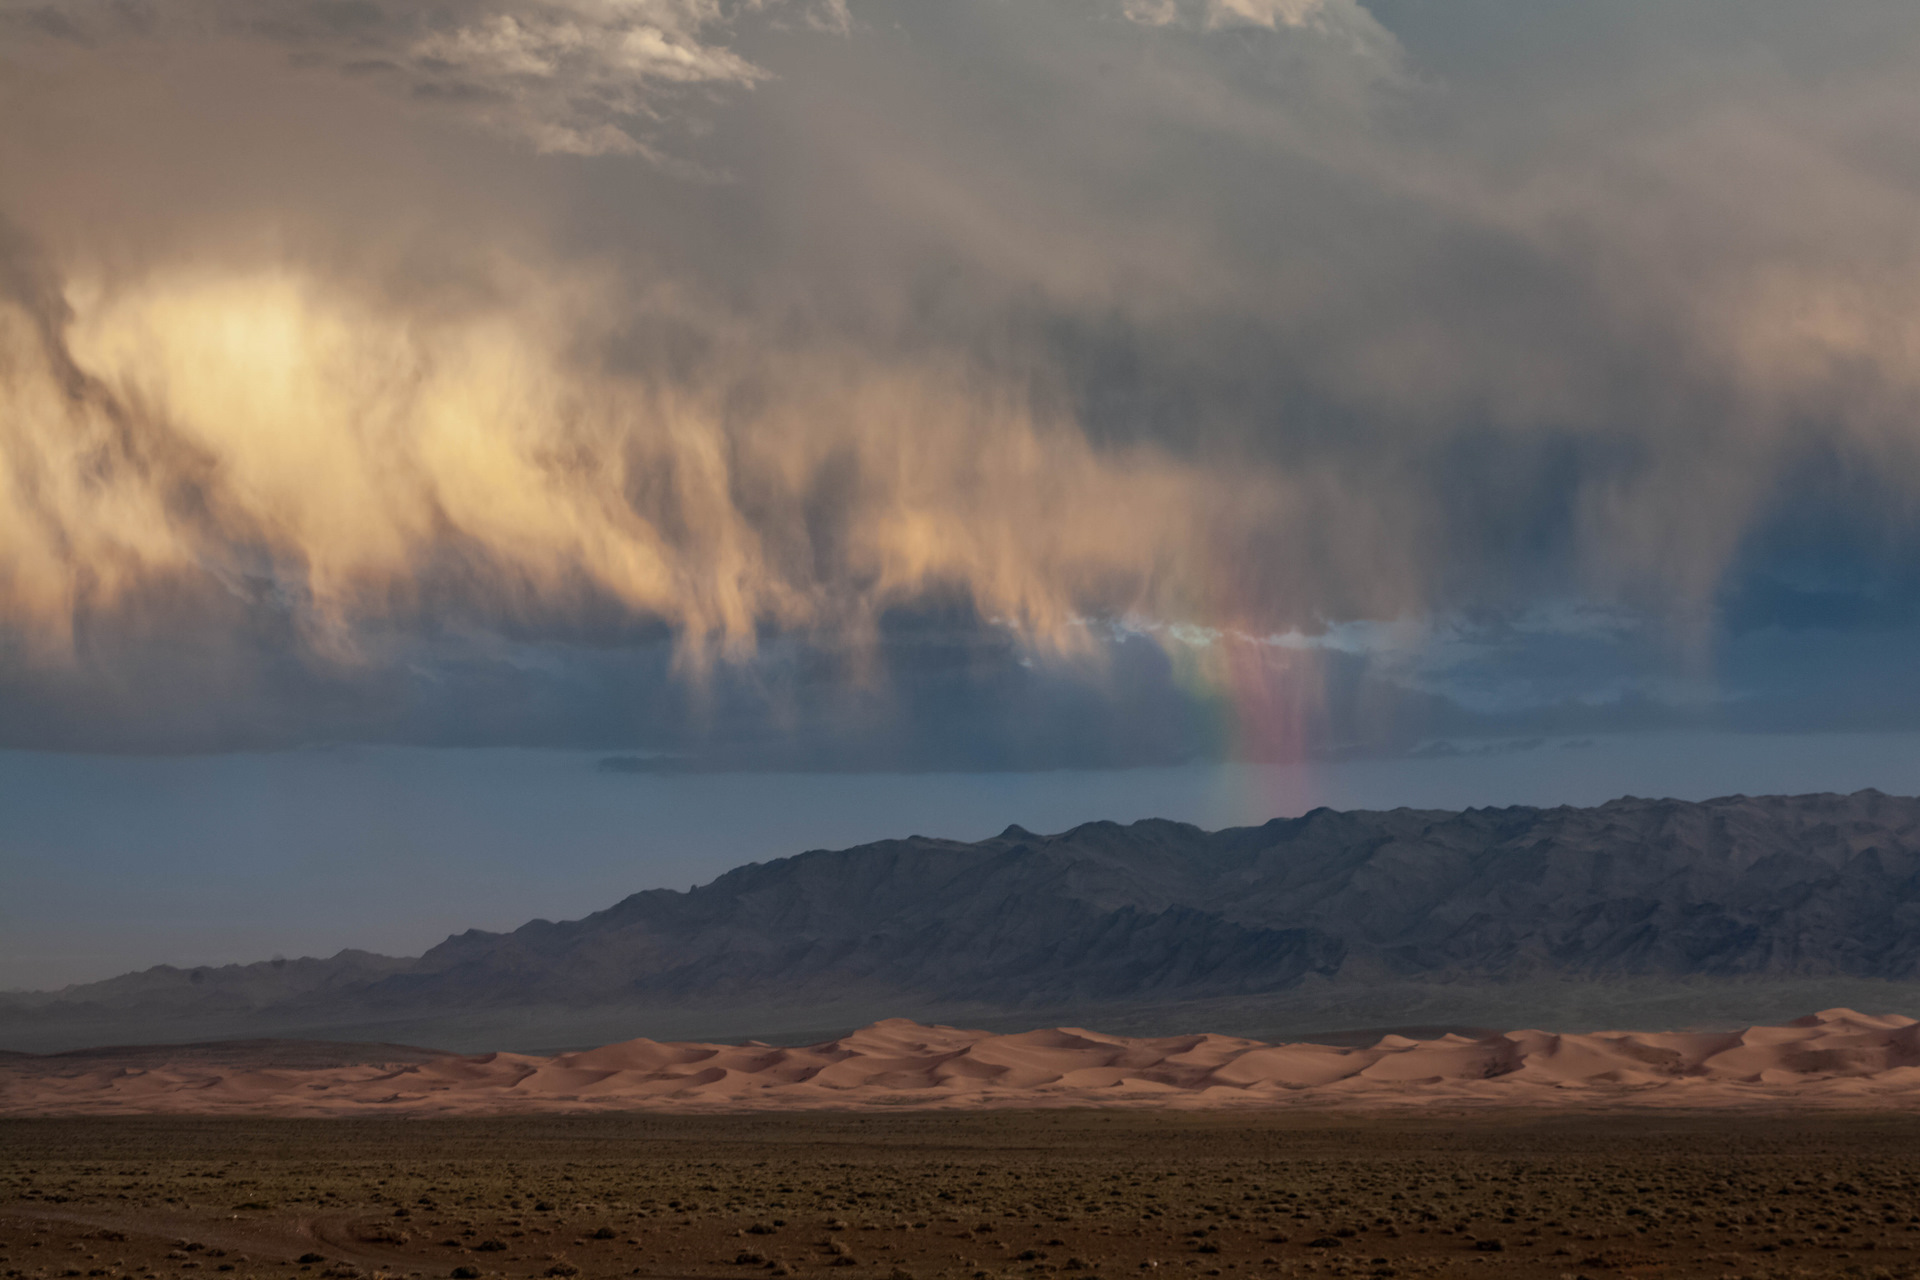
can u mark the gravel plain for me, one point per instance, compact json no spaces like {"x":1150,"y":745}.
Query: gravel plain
{"x":1002,"y":1195}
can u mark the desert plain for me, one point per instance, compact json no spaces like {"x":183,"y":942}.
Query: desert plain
{"x":986,"y":1195}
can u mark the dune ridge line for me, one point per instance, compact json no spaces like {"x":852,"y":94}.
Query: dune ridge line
{"x":1833,"y":1058}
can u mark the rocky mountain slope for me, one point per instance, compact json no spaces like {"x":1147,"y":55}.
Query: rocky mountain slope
{"x":1156,"y":914}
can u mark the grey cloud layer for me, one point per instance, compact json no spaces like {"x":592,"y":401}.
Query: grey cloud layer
{"x":1302,"y":313}
{"x":582,"y":77}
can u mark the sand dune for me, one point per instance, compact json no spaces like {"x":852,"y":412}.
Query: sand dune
{"x":1835,"y":1058}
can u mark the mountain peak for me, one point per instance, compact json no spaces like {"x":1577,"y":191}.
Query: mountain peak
{"x":1136,"y":917}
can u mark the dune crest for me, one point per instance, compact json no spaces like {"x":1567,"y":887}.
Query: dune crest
{"x":1833,"y":1058}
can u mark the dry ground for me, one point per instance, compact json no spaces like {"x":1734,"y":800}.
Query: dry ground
{"x":986,"y":1196}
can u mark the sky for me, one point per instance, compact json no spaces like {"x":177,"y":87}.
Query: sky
{"x":114,"y":863}
{"x":664,"y":426}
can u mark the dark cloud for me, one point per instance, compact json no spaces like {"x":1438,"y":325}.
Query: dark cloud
{"x":932,"y":384}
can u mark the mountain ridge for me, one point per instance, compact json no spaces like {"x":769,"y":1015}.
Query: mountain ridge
{"x":1153,"y":913}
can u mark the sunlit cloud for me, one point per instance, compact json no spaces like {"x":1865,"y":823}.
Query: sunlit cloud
{"x":274,"y":433}
{"x":1281,"y":343}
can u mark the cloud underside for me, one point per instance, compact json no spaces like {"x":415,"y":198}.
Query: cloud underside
{"x":579,"y":77}
{"x":1069,"y":382}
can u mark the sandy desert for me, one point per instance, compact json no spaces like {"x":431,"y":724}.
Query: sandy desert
{"x":1837,"y":1058}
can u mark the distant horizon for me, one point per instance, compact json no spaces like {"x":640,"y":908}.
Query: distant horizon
{"x":961,"y":800}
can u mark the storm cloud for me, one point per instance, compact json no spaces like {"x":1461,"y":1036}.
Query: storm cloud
{"x":952,"y":383}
